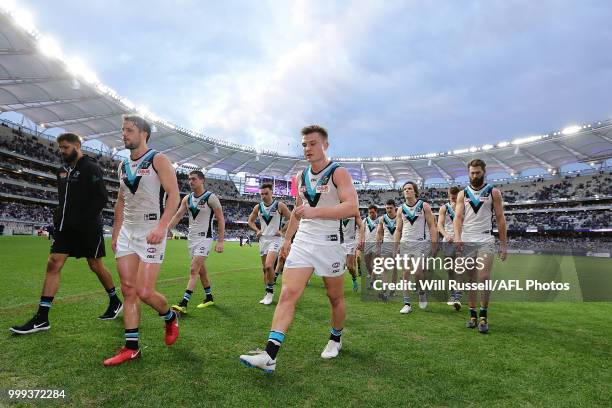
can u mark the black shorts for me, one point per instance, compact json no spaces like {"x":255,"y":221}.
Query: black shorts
{"x":78,"y":244}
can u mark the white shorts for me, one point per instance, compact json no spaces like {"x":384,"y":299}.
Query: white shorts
{"x":349,"y":247}
{"x":474,"y":244}
{"x":369,"y":248}
{"x":415,"y":248}
{"x":327,"y":258}
{"x":133,"y":240}
{"x":199,"y":247}
{"x":448,"y":248}
{"x":269,"y":244}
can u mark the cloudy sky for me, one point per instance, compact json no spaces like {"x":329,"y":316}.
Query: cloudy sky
{"x":430,"y":75}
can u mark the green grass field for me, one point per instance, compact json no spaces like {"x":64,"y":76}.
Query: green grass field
{"x":537,"y":354}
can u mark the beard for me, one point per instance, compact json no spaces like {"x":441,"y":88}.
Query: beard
{"x":477,"y":181}
{"x":69,"y":158}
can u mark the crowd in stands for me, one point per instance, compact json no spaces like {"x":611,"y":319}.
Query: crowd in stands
{"x":237,"y":207}
{"x":570,"y":187}
{"x":560,"y":243}
{"x":560,"y":220}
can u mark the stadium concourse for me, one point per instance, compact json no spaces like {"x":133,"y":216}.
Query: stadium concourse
{"x":541,"y":211}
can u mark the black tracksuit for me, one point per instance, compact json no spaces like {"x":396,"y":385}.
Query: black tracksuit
{"x":77,"y":220}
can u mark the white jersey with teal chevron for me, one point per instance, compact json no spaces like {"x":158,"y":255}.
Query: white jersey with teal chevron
{"x":318,"y":190}
{"x":141,"y":190}
{"x":478,"y":218}
{"x":389,"y":225}
{"x":200,"y":216}
{"x":348,"y":230}
{"x":449,"y":217}
{"x":414,"y":223}
{"x":370,"y":225}
{"x":270,"y":219}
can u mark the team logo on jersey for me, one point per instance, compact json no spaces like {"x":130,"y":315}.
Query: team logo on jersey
{"x":372,"y":224}
{"x":476,"y":202}
{"x":413,"y":215}
{"x":313,"y":193}
{"x":390,"y":224}
{"x":268,"y":214}
{"x":131,"y":178}
{"x":194,"y":209}
{"x":450,"y":211}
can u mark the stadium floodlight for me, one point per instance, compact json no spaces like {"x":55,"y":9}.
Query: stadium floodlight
{"x":527,"y":139}
{"x":570,"y":130}
{"x":460,"y":151}
{"x":503,"y":144}
{"x":8,"y":5}
{"x":386,"y":158}
{"x":49,"y":47}
{"x":24,"y":20}
{"x":77,"y":68}
{"x":127,"y":103}
{"x":487,"y":147}
{"x":473,"y":149}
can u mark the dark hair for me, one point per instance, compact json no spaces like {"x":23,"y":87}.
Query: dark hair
{"x":414,"y":186}
{"x":315,"y":129}
{"x":390,"y":202}
{"x":372,"y":207}
{"x":477,"y":163}
{"x":198,"y":173}
{"x":266,"y":185}
{"x":454,"y":190}
{"x":72,"y":138}
{"x":141,"y":123}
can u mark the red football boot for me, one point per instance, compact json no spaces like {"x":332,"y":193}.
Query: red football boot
{"x":123,"y":355}
{"x":172,"y":332}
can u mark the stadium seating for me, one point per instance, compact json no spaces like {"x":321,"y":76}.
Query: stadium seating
{"x":28,"y":194}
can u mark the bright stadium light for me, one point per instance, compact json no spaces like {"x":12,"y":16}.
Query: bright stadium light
{"x":8,"y":5}
{"x":49,"y":47}
{"x":473,"y":149}
{"x":502,"y":144}
{"x":24,"y":20}
{"x":460,"y":151}
{"x":527,"y":139}
{"x":487,"y":147}
{"x":570,"y":130}
{"x":76,"y":67}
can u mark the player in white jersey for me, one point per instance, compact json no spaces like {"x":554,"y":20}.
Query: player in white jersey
{"x":414,"y":219}
{"x":385,"y":241}
{"x":140,"y":230}
{"x":446,"y":216}
{"x":270,"y":213}
{"x":200,"y":206}
{"x":367,"y":238}
{"x":474,"y":211}
{"x":348,"y":237}
{"x":326,"y":195}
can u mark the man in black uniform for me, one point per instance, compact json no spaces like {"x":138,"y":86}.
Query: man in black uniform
{"x":77,"y":230}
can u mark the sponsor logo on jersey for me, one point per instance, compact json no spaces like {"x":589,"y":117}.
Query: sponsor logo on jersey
{"x":150,"y":217}
{"x":143,"y":172}
{"x":323,"y":189}
{"x":150,"y":256}
{"x":151,"y":250}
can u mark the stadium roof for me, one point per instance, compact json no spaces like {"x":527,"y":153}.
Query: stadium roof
{"x":54,"y":91}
